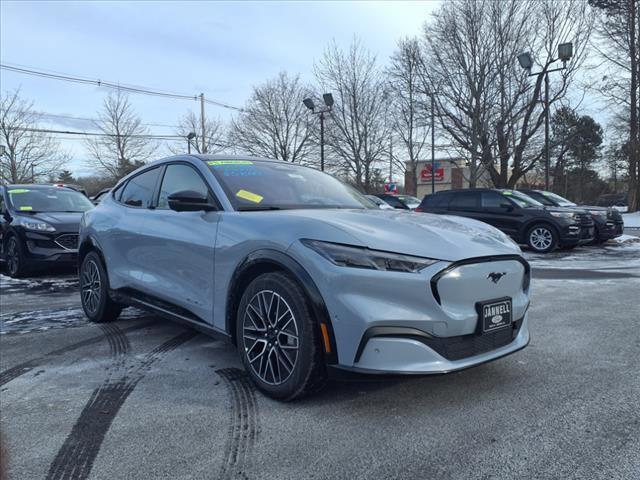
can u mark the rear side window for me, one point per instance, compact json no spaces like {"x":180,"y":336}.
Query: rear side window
{"x":138,"y":192}
{"x":394,"y":202}
{"x":179,"y":177}
{"x":464,"y":201}
{"x":492,"y":200}
{"x":435,"y":200}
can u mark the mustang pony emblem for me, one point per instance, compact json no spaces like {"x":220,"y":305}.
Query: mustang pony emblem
{"x":496,"y":276}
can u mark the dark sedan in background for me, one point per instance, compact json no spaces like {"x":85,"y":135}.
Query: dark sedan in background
{"x":39,"y":226}
{"x":607,"y":221}
{"x":516,"y":214}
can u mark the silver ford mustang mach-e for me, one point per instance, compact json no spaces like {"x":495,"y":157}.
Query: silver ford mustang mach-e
{"x":301,"y":272}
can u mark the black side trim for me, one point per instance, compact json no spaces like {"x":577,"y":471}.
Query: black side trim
{"x":469,"y":261}
{"x":285,"y":262}
{"x":405,"y":332}
{"x":130,"y":296}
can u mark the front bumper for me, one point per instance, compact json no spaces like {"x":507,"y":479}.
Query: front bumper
{"x":412,"y":355}
{"x":51,"y":248}
{"x":360,"y":300}
{"x":608,"y":229}
{"x":578,"y":234}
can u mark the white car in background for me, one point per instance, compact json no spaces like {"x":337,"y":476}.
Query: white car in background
{"x":382,"y":205}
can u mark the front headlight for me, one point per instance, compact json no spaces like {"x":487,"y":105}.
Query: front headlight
{"x":359,"y":257}
{"x":37,"y":225}
{"x":559,"y":214}
{"x":598,"y":213}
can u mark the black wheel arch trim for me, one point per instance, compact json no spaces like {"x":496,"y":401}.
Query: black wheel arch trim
{"x":469,"y":261}
{"x":282,"y":261}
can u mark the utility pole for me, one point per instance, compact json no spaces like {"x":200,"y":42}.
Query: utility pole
{"x":204,"y":139}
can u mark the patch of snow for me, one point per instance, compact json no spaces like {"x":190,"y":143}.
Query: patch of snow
{"x":631,"y":219}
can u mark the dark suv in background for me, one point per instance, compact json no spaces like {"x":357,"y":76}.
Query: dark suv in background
{"x":39,"y":226}
{"x":516,"y":214}
{"x":608,"y":221}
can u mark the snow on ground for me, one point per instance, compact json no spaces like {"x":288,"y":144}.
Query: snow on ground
{"x":631,"y":219}
{"x":622,"y":253}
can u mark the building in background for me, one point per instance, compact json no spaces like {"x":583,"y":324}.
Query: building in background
{"x":450,"y":174}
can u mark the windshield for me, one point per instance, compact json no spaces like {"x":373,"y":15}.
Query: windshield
{"x":54,"y":199}
{"x":557,"y":200}
{"x":521,"y":199}
{"x":408,"y":199}
{"x":278,"y":185}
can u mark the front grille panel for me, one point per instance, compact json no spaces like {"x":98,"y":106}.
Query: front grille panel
{"x":464,"y":346}
{"x":68,"y":241}
{"x":584,"y":220}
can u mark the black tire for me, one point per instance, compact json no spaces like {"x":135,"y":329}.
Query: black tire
{"x":292,"y":368}
{"x":16,"y":264}
{"x":542,"y":238}
{"x":94,"y":291}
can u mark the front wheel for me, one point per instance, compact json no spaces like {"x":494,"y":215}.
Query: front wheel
{"x":94,"y":291}
{"x":278,"y":339}
{"x":542,"y":238}
{"x":15,"y":260}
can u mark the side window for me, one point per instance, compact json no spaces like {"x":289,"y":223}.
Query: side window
{"x":436,"y":200}
{"x":1,"y":201}
{"x":179,"y":177}
{"x":464,"y":201}
{"x":138,"y":192}
{"x":492,"y":200}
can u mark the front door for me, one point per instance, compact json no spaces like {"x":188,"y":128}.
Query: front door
{"x":179,"y":246}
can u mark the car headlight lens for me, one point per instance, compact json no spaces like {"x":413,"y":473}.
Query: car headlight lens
{"x":598,"y":213}
{"x":359,"y":257}
{"x":560,"y":214}
{"x":37,"y":225}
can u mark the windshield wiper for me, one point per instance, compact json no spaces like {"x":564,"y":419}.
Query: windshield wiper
{"x":256,"y":208}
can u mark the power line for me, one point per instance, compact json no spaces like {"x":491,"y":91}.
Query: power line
{"x":97,"y":134}
{"x":89,"y":119}
{"x":114,"y":85}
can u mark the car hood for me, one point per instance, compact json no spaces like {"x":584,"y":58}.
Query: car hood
{"x":422,"y":234}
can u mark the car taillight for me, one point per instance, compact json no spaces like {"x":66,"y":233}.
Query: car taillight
{"x":418,"y":209}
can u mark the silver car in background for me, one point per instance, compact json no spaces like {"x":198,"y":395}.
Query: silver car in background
{"x":301,"y":272}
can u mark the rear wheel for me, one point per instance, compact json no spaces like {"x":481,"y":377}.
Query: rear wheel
{"x":16,"y":263}
{"x":278,"y":338}
{"x":542,"y":238}
{"x":94,"y":291}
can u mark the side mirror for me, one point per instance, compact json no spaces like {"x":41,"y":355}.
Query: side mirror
{"x":189,"y":201}
{"x":506,"y":206}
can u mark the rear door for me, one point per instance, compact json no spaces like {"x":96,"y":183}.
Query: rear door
{"x":465,"y":204}
{"x":123,"y":248}
{"x":179,"y":246}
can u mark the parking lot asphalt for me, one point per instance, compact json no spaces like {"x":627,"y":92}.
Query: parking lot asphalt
{"x":145,"y":398}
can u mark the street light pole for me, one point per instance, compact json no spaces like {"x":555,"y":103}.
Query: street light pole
{"x":322,"y":141}
{"x":328,"y":101}
{"x":433,"y":144}
{"x":202,"y":123}
{"x":546,"y":131}
{"x":565,"y":52}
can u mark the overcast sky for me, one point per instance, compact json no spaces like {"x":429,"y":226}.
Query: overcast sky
{"x":220,"y":48}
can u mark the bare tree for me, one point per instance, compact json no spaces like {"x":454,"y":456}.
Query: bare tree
{"x":487,"y":104}
{"x":274,"y":122}
{"x":124,"y":144}
{"x":409,"y":105}
{"x":30,"y":155}
{"x":618,"y":44}
{"x":213,"y":130}
{"x":359,"y":130}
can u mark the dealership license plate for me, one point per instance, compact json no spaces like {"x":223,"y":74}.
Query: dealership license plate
{"x":495,"y":314}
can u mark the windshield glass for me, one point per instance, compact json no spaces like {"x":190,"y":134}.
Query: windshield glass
{"x":274,"y":185}
{"x":558,"y":200}
{"x":54,"y":199}
{"x":521,"y":199}
{"x":408,"y":199}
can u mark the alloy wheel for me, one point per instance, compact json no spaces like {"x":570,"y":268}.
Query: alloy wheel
{"x":541,"y":238}
{"x":13,"y":260}
{"x":90,"y":288}
{"x":270,"y":337}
